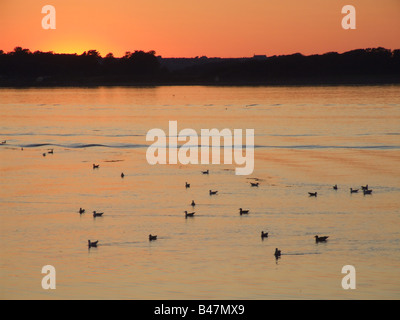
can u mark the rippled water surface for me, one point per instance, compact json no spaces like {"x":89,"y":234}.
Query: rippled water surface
{"x":306,"y":139}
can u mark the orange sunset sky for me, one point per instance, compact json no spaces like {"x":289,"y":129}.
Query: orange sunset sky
{"x":189,"y":28}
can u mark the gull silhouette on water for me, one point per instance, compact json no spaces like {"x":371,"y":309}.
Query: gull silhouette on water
{"x":96,"y":166}
{"x":320,"y":239}
{"x":335,"y":187}
{"x":213,"y":192}
{"x":243,"y":211}
{"x":92,"y":244}
{"x":205,"y":172}
{"x":367,"y":191}
{"x":81,"y":210}
{"x":277,"y":253}
{"x":97,"y":214}
{"x":151,"y":238}
{"x":313,"y":194}
{"x":192,"y":204}
{"x":353,"y":190}
{"x":122,"y":175}
{"x":254,"y":184}
{"x":189,"y":214}
{"x":187,"y":185}
{"x":264,"y":234}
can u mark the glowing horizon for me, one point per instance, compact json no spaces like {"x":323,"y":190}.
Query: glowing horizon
{"x":180,"y":28}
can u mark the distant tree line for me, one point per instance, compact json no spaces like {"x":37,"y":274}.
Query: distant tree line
{"x":21,"y":67}
{"x":24,"y":66}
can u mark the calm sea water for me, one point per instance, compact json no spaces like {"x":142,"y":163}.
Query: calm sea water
{"x":307,"y":139}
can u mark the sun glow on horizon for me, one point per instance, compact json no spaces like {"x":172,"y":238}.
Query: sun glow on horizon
{"x":179,"y":28}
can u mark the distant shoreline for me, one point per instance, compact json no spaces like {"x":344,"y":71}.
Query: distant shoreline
{"x":96,"y":84}
{"x":372,"y":66}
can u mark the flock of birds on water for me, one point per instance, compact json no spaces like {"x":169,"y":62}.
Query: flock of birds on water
{"x":277,"y":252}
{"x":93,"y":244}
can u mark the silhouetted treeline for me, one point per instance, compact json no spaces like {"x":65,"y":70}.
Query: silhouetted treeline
{"x":21,"y":67}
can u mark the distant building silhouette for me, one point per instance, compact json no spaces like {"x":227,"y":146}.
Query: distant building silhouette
{"x":260,"y":57}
